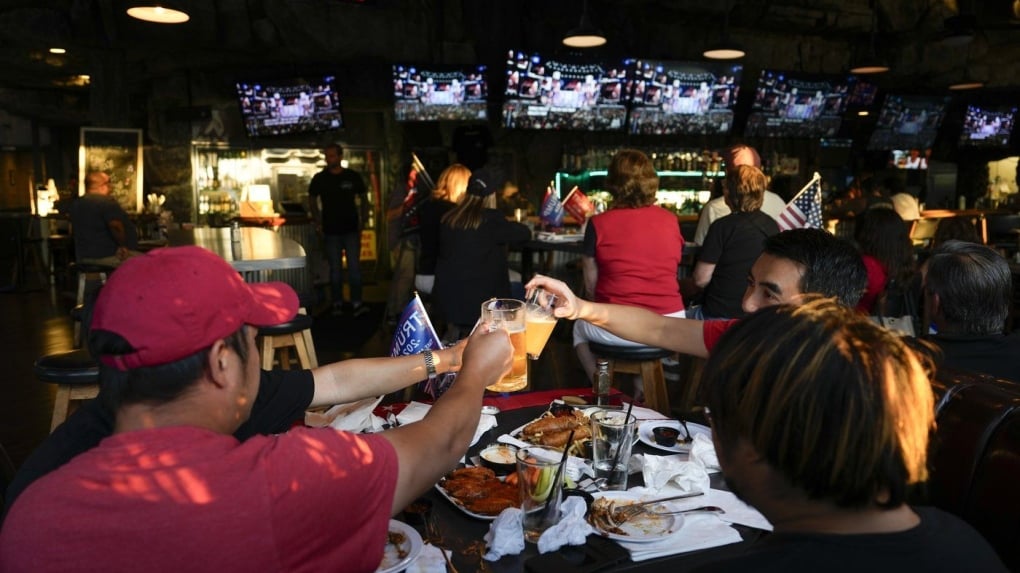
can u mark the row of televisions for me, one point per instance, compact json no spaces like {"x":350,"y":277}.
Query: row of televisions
{"x":636,"y":96}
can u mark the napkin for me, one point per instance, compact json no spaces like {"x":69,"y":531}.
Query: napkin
{"x":416,"y":411}
{"x":430,"y":560}
{"x":353,"y":417}
{"x":703,"y":452}
{"x":572,"y":528}
{"x":506,"y":534}
{"x":699,"y":531}
{"x":671,"y":474}
{"x":736,"y":510}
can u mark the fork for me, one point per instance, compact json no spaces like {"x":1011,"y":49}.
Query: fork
{"x":632,"y":510}
{"x":687,"y":432}
{"x":435,"y":537}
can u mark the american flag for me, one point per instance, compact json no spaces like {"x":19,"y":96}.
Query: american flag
{"x":805,"y":211}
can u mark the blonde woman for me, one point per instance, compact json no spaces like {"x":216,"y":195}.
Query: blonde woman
{"x":452,"y":185}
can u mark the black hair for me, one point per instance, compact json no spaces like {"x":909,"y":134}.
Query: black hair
{"x":832,"y":266}
{"x":974,"y":286}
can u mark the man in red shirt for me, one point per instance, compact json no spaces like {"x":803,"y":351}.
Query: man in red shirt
{"x":793,"y":263}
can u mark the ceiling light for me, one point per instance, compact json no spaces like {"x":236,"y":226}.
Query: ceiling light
{"x":867,"y":60}
{"x":158,"y":14}
{"x":725,"y":50}
{"x":870,"y":67}
{"x":58,"y":51}
{"x":967,"y":84}
{"x":585,"y":35}
{"x":863,"y":113}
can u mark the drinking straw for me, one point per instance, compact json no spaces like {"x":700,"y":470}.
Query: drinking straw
{"x":559,"y":473}
{"x":619,"y":448}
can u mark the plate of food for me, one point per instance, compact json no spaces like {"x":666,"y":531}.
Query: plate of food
{"x":606,"y":517}
{"x":477,"y":492}
{"x":553,"y":427}
{"x":403,"y":546}
{"x":671,"y":436}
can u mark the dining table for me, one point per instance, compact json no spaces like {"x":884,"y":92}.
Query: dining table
{"x":463,"y":534}
{"x":255,"y":253}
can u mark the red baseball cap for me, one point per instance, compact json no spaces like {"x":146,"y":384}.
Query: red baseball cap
{"x":170,"y":303}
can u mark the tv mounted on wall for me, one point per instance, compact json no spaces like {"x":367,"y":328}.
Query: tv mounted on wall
{"x":793,"y":104}
{"x":576,"y":94}
{"x":988,"y":126}
{"x":290,"y":106}
{"x":432,"y":93}
{"x":682,"y":97}
{"x":908,"y":122}
{"x":909,"y":158}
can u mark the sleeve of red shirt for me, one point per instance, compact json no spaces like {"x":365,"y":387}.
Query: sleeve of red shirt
{"x":712,"y":331}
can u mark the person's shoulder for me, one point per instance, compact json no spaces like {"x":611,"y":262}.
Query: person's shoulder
{"x":955,"y":540}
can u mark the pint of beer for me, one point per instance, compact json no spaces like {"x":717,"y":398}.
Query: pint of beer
{"x":508,"y":314}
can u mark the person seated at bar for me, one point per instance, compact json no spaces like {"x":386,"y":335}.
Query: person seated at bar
{"x":733,"y":157}
{"x":173,"y":488}
{"x":888,"y":255}
{"x":793,"y":263}
{"x":968,"y":291}
{"x":825,"y":432}
{"x":732,"y":245}
{"x":955,"y":228}
{"x":103,"y":233}
{"x":631,"y":254}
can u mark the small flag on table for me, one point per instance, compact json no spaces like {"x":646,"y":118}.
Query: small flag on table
{"x":577,"y":204}
{"x":805,"y":210}
{"x":415,"y":334}
{"x":552,"y":210}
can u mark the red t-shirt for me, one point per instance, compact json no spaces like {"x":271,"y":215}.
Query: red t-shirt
{"x":188,"y":499}
{"x":712,"y":331}
{"x":637,"y":252}
{"x":877,"y":279}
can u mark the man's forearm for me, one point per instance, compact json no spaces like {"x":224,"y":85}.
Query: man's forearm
{"x":646,"y":327}
{"x":358,"y":378}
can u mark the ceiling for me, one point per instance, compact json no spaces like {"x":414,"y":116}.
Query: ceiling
{"x":128,"y":57}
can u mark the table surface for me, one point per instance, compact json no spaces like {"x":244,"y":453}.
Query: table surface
{"x":258,"y":250}
{"x":464,"y":534}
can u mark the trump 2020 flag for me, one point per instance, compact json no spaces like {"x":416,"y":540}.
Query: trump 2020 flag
{"x":415,"y":334}
{"x":552,"y":210}
{"x":806,"y":208}
{"x":577,"y":204}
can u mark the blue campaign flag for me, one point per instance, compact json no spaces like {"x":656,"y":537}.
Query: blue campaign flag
{"x":415,"y":334}
{"x":552,"y":210}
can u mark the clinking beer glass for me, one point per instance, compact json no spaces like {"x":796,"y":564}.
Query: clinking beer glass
{"x":508,"y":314}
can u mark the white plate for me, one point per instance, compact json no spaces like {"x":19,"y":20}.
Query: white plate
{"x":465,"y":510}
{"x":645,"y":434}
{"x":413,"y":545}
{"x":644,"y":528}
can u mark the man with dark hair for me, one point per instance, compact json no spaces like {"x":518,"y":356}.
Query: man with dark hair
{"x":824,"y":432}
{"x":174,"y":332}
{"x":793,"y":263}
{"x":333,"y":197}
{"x":968,"y":290}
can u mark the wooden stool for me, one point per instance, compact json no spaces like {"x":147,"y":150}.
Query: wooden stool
{"x":645,"y":361}
{"x":89,"y":272}
{"x":297,"y":334}
{"x":76,"y":375}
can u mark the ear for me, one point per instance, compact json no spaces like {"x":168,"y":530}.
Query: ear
{"x":936,"y":305}
{"x":218,"y":363}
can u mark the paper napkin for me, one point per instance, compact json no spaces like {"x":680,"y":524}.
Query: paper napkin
{"x":672,"y":474}
{"x":430,"y":560}
{"x":506,"y":534}
{"x":703,"y":452}
{"x":415,"y":411}
{"x":699,"y":531}
{"x":572,"y":528}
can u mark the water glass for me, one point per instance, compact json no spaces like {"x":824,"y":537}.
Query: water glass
{"x":540,"y":321}
{"x":612,"y":435}
{"x":541,"y":492}
{"x":508,"y":314}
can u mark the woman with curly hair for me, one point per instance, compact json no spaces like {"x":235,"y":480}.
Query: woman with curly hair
{"x":884,"y":242}
{"x":631,"y":252}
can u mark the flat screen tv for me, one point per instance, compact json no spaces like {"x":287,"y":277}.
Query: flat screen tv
{"x":682,"y":97}
{"x":575,"y":94}
{"x":793,"y":104}
{"x":988,"y":126}
{"x":290,"y":106}
{"x":908,"y":122}
{"x":912,"y":159}
{"x":432,"y":93}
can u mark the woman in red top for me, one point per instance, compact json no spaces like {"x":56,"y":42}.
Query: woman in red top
{"x":631,"y":252}
{"x":884,"y":242}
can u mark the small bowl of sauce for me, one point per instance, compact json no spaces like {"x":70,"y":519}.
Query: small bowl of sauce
{"x":665,"y":435}
{"x":500,"y":458}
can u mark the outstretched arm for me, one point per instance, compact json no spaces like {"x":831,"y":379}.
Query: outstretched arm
{"x":633,"y":323}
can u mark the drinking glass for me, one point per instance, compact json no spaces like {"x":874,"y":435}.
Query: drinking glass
{"x":541,"y":492}
{"x":540,"y":321}
{"x":612,"y":436}
{"x":508,"y":314}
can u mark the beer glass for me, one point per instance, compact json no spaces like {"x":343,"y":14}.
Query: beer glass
{"x":508,"y":314}
{"x":540,"y":320}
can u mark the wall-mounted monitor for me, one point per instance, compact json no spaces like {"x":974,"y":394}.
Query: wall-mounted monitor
{"x":909,"y":158}
{"x":433,"y":93}
{"x":908,"y":122}
{"x":988,"y":126}
{"x":289,"y":106}
{"x":584,"y":94}
{"x":793,"y":104}
{"x":682,"y":97}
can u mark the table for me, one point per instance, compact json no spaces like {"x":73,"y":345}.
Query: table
{"x":258,"y":251}
{"x":529,"y":248}
{"x":463,"y":534}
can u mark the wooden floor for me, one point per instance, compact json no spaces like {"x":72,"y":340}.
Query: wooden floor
{"x":38,"y":323}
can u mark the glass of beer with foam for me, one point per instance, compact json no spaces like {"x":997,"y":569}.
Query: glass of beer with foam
{"x":540,"y":320}
{"x":509,"y":314}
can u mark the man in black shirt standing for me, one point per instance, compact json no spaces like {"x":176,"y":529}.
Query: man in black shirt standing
{"x":333,"y":197}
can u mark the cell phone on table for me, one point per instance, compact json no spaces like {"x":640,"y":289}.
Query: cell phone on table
{"x":596,"y":554}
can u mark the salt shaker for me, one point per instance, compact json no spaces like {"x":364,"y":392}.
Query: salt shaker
{"x":600,"y":385}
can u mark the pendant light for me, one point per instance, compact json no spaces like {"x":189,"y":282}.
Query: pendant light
{"x":725,"y":49}
{"x":585,"y":35}
{"x":159,"y":13}
{"x":869,"y":62}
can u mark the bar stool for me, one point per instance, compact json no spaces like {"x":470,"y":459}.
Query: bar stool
{"x":89,"y":272}
{"x":76,"y":375}
{"x":77,"y":316}
{"x":296,"y":334}
{"x":645,"y":361}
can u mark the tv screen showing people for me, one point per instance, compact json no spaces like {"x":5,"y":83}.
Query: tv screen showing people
{"x":988,"y":126}
{"x":434,"y":93}
{"x":584,"y":95}
{"x":909,"y":158}
{"x":908,"y":122}
{"x":682,"y":97}
{"x":788,"y":104}
{"x":291,"y":105}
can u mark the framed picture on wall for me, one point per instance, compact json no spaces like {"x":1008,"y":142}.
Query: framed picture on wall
{"x":118,"y":153}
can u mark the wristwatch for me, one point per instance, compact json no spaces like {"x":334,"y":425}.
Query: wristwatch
{"x":430,"y":364}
